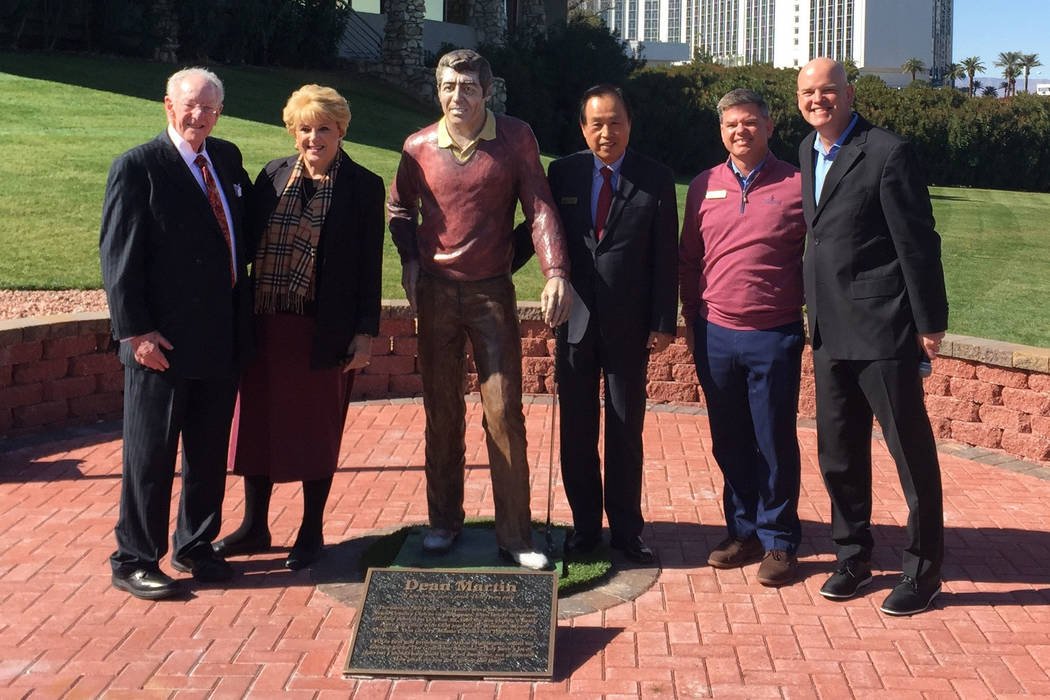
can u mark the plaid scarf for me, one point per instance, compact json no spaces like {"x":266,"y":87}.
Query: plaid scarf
{"x":285,"y":264}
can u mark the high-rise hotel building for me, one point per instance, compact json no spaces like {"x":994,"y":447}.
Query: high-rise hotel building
{"x":879,"y":35}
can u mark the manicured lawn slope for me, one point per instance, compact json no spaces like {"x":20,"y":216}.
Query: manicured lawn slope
{"x":67,"y":117}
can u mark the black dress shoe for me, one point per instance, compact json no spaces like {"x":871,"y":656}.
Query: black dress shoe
{"x":582,"y":543}
{"x":204,"y":569}
{"x":227,"y":547}
{"x":850,"y":577}
{"x":303,"y":556}
{"x":909,"y":596}
{"x":635,"y":549}
{"x":147,"y":584}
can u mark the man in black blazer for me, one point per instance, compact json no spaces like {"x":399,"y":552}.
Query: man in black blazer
{"x":623,"y":251}
{"x":876,"y":302}
{"x":174,"y":261}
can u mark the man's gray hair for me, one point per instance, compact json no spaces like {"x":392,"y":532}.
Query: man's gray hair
{"x":742,"y":96}
{"x":179,"y":76}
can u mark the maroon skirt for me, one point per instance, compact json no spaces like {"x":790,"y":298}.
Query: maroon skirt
{"x":289,"y":418}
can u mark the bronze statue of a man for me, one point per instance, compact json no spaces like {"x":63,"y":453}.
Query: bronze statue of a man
{"x":451,"y":212}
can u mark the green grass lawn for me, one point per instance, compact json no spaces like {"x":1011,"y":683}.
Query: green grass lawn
{"x":67,"y":117}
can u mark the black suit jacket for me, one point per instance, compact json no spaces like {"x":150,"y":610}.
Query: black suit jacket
{"x":350,"y":253}
{"x":165,"y":262}
{"x":629,"y":280}
{"x":872,"y":266}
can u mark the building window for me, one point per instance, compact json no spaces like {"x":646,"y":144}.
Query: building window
{"x":674,"y":20}
{"x":652,"y":20}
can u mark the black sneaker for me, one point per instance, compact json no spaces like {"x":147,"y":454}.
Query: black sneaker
{"x":909,"y":597}
{"x":850,"y":577}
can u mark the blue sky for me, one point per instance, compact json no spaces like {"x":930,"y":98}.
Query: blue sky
{"x":984,"y":29}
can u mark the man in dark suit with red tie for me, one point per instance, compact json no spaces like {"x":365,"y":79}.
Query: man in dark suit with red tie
{"x":875,"y":298}
{"x":621,"y":226}
{"x":174,"y":256}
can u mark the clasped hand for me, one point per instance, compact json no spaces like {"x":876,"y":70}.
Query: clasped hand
{"x":147,"y":350}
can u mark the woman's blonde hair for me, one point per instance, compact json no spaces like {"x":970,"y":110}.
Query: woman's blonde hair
{"x":311,"y":104}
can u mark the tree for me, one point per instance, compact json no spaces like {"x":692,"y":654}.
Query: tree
{"x":972,"y":65}
{"x":1008,"y":61}
{"x":913,"y":66}
{"x":540,"y":89}
{"x":701,"y":54}
{"x":953,"y":72}
{"x":1027,"y":62}
{"x":852,"y":72}
{"x":1010,"y":74}
{"x":989,"y":91}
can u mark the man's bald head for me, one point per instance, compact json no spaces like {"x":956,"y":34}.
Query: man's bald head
{"x":827,"y":67}
{"x":825,"y":98}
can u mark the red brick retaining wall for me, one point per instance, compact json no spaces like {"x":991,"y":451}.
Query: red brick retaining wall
{"x":62,"y":370}
{"x":57,"y":370}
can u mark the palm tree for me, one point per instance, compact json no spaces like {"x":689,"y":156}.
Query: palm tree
{"x":1010,"y":74}
{"x":989,"y":91}
{"x":1028,"y":61}
{"x":913,"y":66}
{"x":972,"y":66}
{"x":1008,"y":61}
{"x":852,"y":72}
{"x":952,"y":73}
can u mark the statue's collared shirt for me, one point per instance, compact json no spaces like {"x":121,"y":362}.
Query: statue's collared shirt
{"x":457,"y":217}
{"x":487,"y":133}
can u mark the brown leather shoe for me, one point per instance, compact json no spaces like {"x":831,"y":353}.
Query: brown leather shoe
{"x":734,"y":552}
{"x":778,"y":568}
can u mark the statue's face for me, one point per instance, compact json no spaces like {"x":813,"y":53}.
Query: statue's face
{"x":462,"y":100}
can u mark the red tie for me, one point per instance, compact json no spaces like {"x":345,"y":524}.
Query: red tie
{"x":604,"y":202}
{"x":216,"y":207}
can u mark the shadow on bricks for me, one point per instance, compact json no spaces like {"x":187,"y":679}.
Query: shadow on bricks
{"x":579,"y":645}
{"x":980,"y":555}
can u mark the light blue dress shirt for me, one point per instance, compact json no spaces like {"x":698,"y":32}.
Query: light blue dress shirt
{"x":823,"y":161}
{"x":745,"y":182}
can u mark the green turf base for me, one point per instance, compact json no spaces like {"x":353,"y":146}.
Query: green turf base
{"x":476,"y":548}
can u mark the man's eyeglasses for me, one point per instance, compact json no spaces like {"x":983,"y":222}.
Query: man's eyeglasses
{"x":205,"y":109}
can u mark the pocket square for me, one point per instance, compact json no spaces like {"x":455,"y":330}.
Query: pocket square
{"x":568,"y":200}
{"x":237,"y":190}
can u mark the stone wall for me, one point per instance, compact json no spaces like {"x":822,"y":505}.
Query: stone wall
{"x":57,"y":370}
{"x":62,"y":370}
{"x":489,"y":19}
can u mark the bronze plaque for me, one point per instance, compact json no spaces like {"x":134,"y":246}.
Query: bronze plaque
{"x":434,"y":622}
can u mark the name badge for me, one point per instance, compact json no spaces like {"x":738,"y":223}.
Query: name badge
{"x":716,"y":194}
{"x":568,"y":200}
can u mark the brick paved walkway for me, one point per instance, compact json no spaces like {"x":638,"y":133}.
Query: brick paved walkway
{"x":64,"y":632}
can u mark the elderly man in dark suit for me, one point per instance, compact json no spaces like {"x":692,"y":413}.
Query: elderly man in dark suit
{"x":876,"y":302}
{"x":174,"y":261}
{"x":621,"y":224}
